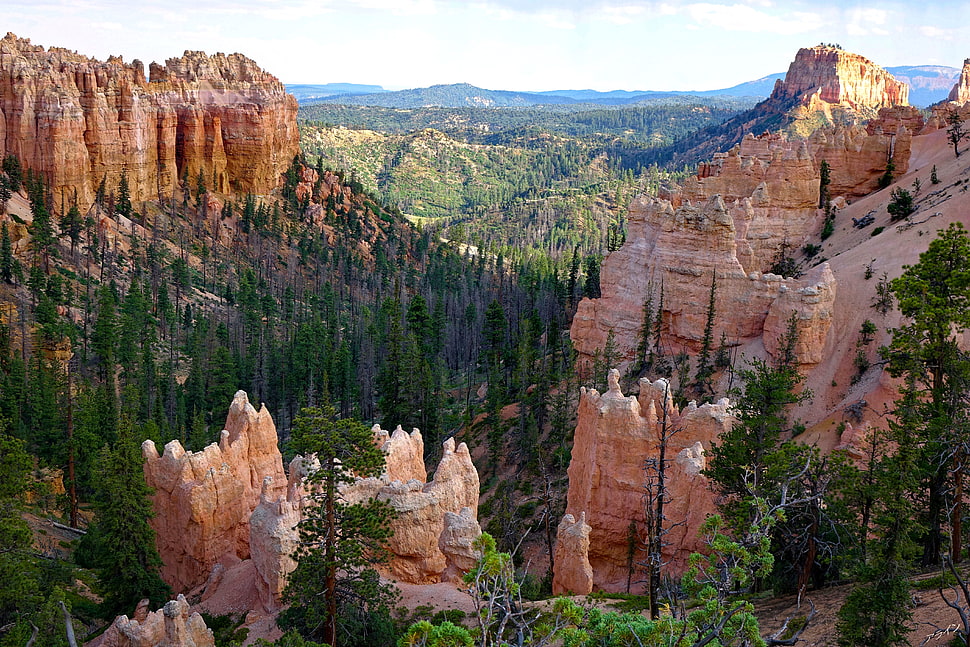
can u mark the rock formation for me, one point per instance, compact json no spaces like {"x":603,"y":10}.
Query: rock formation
{"x":170,"y":626}
{"x":961,"y":91}
{"x":572,"y":572}
{"x":829,"y":75}
{"x":614,"y":435}
{"x":681,"y":248}
{"x":273,"y":540}
{"x":79,"y":120}
{"x":457,"y":543}
{"x":420,"y":552}
{"x":203,"y":500}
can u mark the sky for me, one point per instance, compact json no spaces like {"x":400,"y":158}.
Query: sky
{"x":503,"y":44}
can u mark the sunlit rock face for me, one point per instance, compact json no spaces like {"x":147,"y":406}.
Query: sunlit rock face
{"x":615,"y":437}
{"x":80,"y":121}
{"x":203,"y":500}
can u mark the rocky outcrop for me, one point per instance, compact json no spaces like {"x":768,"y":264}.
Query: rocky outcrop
{"x":203,"y":500}
{"x":457,"y":543}
{"x":961,"y":91}
{"x":829,"y":75}
{"x":403,"y":454}
{"x":170,"y":626}
{"x":614,"y":435}
{"x":681,"y":249}
{"x":572,"y":572}
{"x":273,"y":540}
{"x":78,"y":120}
{"x":420,"y":554}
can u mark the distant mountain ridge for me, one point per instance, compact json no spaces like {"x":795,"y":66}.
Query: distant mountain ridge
{"x":928,"y":84}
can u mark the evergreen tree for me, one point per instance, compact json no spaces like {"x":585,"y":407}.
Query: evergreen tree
{"x":9,"y":266}
{"x":334,"y":591}
{"x":934,"y":295}
{"x":123,"y":203}
{"x":17,"y":578}
{"x":757,"y":455}
{"x":705,"y":367}
{"x":42,"y":238}
{"x":955,"y":131}
{"x":72,"y":225}
{"x":124,"y":540}
{"x":591,"y":289}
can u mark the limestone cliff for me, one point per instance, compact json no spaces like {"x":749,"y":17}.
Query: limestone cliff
{"x":961,"y":91}
{"x":615,"y":434}
{"x":203,"y":500}
{"x":680,"y":249}
{"x":79,"y":120}
{"x":829,"y":75}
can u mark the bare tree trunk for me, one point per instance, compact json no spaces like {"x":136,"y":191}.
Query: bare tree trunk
{"x":68,"y":626}
{"x":33,"y":635}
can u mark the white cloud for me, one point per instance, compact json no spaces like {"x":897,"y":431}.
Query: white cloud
{"x":866,"y":21}
{"x":939,"y":33}
{"x":740,"y":17}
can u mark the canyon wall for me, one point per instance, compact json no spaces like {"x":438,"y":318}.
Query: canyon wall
{"x":681,"y":249}
{"x":734,"y":219}
{"x":78,"y":120}
{"x":615,"y":435}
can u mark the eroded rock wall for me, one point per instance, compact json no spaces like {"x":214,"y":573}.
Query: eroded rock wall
{"x":615,"y":434}
{"x":78,"y":120}
{"x":681,"y":249}
{"x":203,"y":500}
{"x":836,"y":76}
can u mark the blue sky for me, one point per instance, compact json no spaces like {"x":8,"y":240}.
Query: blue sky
{"x":503,"y":44}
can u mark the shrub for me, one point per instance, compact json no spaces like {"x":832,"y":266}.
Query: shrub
{"x":901,"y":204}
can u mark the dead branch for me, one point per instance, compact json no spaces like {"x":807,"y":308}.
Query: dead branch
{"x":775,"y":638}
{"x":68,"y":626}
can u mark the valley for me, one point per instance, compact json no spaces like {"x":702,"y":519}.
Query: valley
{"x":577,"y":368}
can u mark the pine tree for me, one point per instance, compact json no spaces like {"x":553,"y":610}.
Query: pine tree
{"x":125,"y":541}
{"x":934,"y":295}
{"x":705,"y":368}
{"x":72,"y":225}
{"x":17,"y":583}
{"x":123,"y":203}
{"x":752,"y":459}
{"x":8,"y":264}
{"x":42,"y":238}
{"x":334,"y":585}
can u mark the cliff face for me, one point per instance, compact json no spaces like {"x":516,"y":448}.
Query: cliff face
{"x":203,"y":500}
{"x":615,"y":435}
{"x":681,"y":248}
{"x":835,"y":76}
{"x":732,"y":220}
{"x":78,"y":120}
{"x":961,"y":91}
